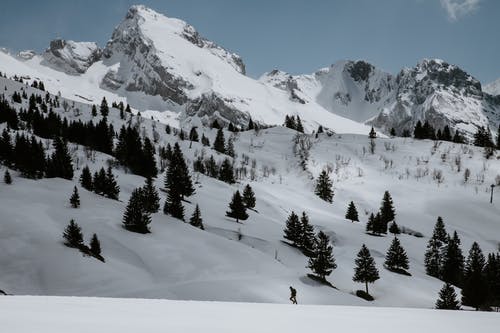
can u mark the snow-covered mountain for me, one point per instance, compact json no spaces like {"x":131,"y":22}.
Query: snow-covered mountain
{"x":493,"y":88}
{"x":71,"y":57}
{"x":442,"y":94}
{"x":164,"y":68}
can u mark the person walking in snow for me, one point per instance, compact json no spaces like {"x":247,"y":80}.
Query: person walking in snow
{"x":293,"y":295}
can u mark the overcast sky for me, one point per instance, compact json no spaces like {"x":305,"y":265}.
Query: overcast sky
{"x":297,"y":36}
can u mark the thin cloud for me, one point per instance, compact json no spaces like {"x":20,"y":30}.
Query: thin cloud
{"x":458,"y":8}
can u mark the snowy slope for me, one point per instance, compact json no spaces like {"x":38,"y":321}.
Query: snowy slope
{"x":57,"y":314}
{"x":178,"y":261}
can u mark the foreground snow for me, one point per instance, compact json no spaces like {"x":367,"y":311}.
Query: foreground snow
{"x":78,"y":314}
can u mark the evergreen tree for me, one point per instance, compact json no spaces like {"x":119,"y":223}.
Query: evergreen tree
{"x":394,"y":228}
{"x":307,"y":239}
{"x":250,"y":124}
{"x":204,"y":140}
{"x":196,"y":220}
{"x":104,"y":107}
{"x":324,"y":187}
{"x":370,"y":224}
{"x":248,"y":197}
{"x":219,"y":142}
{"x":193,"y":134}
{"x":150,"y":197}
{"x":86,"y":179}
{"x":492,"y":276}
{"x":226,"y":172}
{"x":498,"y":138}
{"x":365,"y":270}
{"x":73,"y":235}
{"x":237,"y":209}
{"x":447,"y":298}
{"x":293,"y":229}
{"x":111,"y":188}
{"x":393,"y":132}
{"x":418,"y":133}
{"x":136,"y":218}
{"x":59,"y":164}
{"x":322,"y":263}
{"x":432,"y":259}
{"x":439,"y":232}
{"x":387,"y":211}
{"x":173,"y":205}
{"x":352,"y":213}
{"x":230,"y":147}
{"x":299,"y":126}
{"x":74,"y":200}
{"x":94,"y":111}
{"x":177,"y":179}
{"x":452,"y":261}
{"x":372,"y":134}
{"x":7,"y":178}
{"x":446,"y":136}
{"x":148,"y":166}
{"x":396,"y":258}
{"x":211,"y":167}
{"x":475,"y":289}
{"x":95,"y":246}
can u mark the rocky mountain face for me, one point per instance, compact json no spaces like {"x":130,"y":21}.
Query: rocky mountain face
{"x":442,"y":94}
{"x":71,"y":57}
{"x":493,"y":88}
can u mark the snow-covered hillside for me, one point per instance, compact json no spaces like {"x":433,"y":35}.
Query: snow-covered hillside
{"x":59,"y":314}
{"x":248,"y":261}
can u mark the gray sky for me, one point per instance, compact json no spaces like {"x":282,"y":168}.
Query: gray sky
{"x":296,"y":36}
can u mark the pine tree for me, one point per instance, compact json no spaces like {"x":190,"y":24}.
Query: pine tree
{"x":418,"y":132}
{"x":237,"y":209}
{"x":396,"y":258}
{"x":73,"y":235}
{"x":59,"y":164}
{"x":136,"y":218}
{"x":372,"y":134}
{"x":219,"y":142}
{"x":111,"y":188}
{"x":322,"y":263}
{"x":299,"y":126}
{"x":365,"y":270}
{"x":104,"y":107}
{"x":293,"y":229}
{"x":173,"y":205}
{"x":193,"y":134}
{"x":95,"y":246}
{"x":250,"y":124}
{"x":196,"y":220}
{"x":94,"y":111}
{"x":370,"y":224}
{"x":86,"y":179}
{"x":498,"y":138}
{"x":393,"y":132}
{"x":394,"y":228}
{"x":7,"y":178}
{"x":387,"y":211}
{"x":74,"y":200}
{"x":150,"y":197}
{"x":204,"y":140}
{"x":307,"y":238}
{"x":230,"y":147}
{"x":447,"y":298}
{"x":177,"y":179}
{"x":492,"y":276}
{"x":226,"y":172}
{"x":475,"y":289}
{"x":452,"y":261}
{"x":352,"y":213}
{"x":439,"y":232}
{"x":432,"y":259}
{"x":148,"y":162}
{"x":324,"y":187}
{"x":248,"y":197}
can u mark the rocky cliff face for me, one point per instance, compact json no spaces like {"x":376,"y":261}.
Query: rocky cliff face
{"x":71,"y":57}
{"x":442,"y":94}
